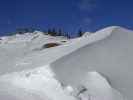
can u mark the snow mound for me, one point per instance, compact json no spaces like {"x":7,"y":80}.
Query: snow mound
{"x":75,"y":70}
{"x":108,"y":51}
{"x":41,"y":84}
{"x":36,"y":84}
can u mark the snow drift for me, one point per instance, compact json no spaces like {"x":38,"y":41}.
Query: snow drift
{"x":36,"y":84}
{"x":97,"y":66}
{"x":40,"y":84}
{"x":112,"y":56}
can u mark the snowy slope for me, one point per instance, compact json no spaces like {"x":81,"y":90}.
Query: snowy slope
{"x":112,"y":57}
{"x":18,"y":52}
{"x":22,"y":52}
{"x":86,"y":34}
{"x":40,"y":84}
{"x":77,"y":69}
{"x":35,"y":84}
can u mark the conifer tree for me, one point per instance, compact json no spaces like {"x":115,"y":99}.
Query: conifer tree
{"x":60,"y":32}
{"x":53,"y":33}
{"x":80,"y":33}
{"x":49,"y":31}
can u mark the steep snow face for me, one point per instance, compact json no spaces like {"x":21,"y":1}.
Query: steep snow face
{"x":112,"y":56}
{"x":98,"y":88}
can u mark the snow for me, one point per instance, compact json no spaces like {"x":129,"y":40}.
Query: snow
{"x":38,"y":82}
{"x":87,"y":68}
{"x":23,"y":52}
{"x":111,"y":55}
{"x":98,"y":88}
{"x":87,"y":34}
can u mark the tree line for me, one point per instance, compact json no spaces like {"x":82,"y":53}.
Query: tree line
{"x":51,"y":32}
{"x":59,"y":32}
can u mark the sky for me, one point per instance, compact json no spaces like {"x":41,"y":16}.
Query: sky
{"x":69,"y":15}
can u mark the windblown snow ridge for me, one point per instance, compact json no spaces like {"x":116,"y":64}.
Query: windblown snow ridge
{"x":109,"y":53}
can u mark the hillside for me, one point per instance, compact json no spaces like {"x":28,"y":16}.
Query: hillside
{"x":93,"y":67}
{"x":19,"y":52}
{"x":111,"y":56}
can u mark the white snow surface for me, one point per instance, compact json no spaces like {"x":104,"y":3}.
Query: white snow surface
{"x":111,"y":56}
{"x":30,"y":72}
{"x":40,"y":84}
{"x":36,"y":84}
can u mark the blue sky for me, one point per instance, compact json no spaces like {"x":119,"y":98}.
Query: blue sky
{"x":70,"y":15}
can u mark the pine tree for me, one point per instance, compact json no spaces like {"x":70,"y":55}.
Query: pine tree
{"x":25,"y":30}
{"x":67,"y":35}
{"x":60,"y":32}
{"x":80,"y":33}
{"x":53,"y":33}
{"x":49,"y":31}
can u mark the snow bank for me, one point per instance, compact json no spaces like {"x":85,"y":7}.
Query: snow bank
{"x":98,"y":88}
{"x":109,"y":53}
{"x":70,"y":71}
{"x":20,"y":52}
{"x":41,"y":84}
{"x":36,"y":84}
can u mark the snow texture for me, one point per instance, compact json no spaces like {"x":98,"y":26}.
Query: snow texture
{"x":96,"y":66}
{"x":111,"y":56}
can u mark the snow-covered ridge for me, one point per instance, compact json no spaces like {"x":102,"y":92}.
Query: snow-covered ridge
{"x":108,"y":51}
{"x":51,"y":73}
{"x":21,"y":37}
{"x":27,"y":54}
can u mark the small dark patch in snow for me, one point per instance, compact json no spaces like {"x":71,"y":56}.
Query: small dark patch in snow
{"x":34,"y":37}
{"x":81,"y":89}
{"x":49,"y":45}
{"x":63,"y":41}
{"x":27,"y":74}
{"x":107,"y":78}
